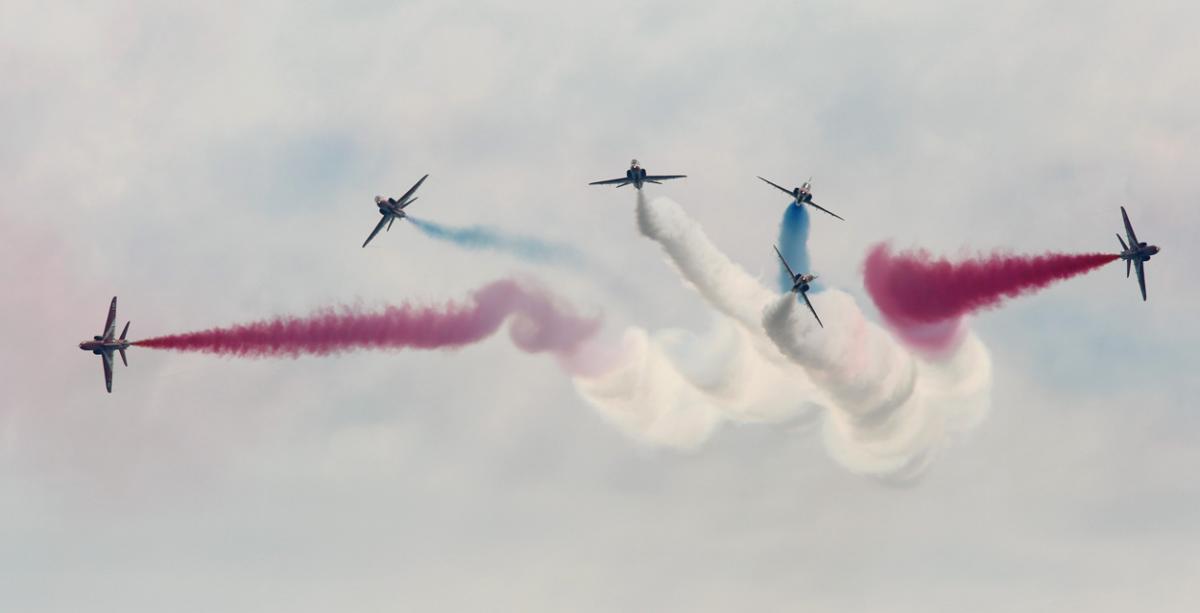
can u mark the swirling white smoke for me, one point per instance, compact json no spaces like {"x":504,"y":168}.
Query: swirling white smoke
{"x":886,"y":409}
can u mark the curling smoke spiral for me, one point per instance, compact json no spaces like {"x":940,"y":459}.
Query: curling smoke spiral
{"x":887,"y":411}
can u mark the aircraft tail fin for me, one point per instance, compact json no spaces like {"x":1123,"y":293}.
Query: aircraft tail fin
{"x":126,"y":330}
{"x":124,"y":360}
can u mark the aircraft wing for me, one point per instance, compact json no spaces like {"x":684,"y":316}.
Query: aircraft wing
{"x":107,"y":361}
{"x":1133,"y":241}
{"x":413,"y":188}
{"x":810,"y":307}
{"x":1138,"y":264}
{"x":110,"y":324}
{"x":778,"y":187}
{"x":819,"y":207}
{"x":382,"y":222}
{"x":621,"y":181}
{"x":663,"y":177}
{"x":785,"y":264}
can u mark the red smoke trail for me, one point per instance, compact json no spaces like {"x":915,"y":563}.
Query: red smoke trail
{"x":539,"y":324}
{"x":924,"y":298}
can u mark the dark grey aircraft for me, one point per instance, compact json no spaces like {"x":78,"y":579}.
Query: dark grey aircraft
{"x":637,"y":176}
{"x":1135,"y":253}
{"x":105,"y":345}
{"x":393,"y":209}
{"x":802,"y":195}
{"x":800,"y":285}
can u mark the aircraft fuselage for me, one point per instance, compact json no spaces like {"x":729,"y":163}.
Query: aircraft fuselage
{"x":1141,"y":252}
{"x":392,"y":207}
{"x":636,"y":175}
{"x":801,"y":282}
{"x":98,"y":345}
{"x":802,"y":194}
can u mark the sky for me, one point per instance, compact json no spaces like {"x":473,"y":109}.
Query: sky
{"x":212,"y":165}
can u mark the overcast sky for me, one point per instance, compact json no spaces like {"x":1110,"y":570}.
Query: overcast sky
{"x":211,"y":164}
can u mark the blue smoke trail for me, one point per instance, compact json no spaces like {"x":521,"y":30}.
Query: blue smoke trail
{"x":483,"y":238}
{"x":793,"y":244}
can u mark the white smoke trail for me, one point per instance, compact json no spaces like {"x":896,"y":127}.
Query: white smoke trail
{"x":648,"y":397}
{"x":738,"y":296}
{"x":891,"y":410}
{"x":888,"y":411}
{"x":675,"y":388}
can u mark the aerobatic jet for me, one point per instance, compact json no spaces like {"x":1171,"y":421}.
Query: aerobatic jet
{"x":800,"y":285}
{"x":105,"y":345}
{"x":1135,"y":253}
{"x":393,"y":209}
{"x":802,"y":195}
{"x":637,"y":176}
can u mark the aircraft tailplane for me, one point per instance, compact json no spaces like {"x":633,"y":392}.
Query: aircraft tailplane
{"x":123,"y":359}
{"x":126,"y":330}
{"x":1128,"y":266}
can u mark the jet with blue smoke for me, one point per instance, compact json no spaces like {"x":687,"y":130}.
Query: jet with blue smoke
{"x":484,"y":238}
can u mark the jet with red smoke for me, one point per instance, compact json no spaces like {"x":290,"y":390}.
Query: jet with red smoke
{"x":1135,"y":253}
{"x":105,"y":344}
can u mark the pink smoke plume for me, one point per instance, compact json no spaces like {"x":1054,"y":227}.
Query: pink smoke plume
{"x":540,"y":323}
{"x":924,"y":298}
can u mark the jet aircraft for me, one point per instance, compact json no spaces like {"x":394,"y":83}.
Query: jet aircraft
{"x":1135,"y":253}
{"x":800,"y":285}
{"x":637,"y":176}
{"x":393,"y":209}
{"x":105,"y":345}
{"x":802,"y":195}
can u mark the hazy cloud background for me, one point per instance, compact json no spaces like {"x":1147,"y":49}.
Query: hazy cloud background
{"x":211,"y":164}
